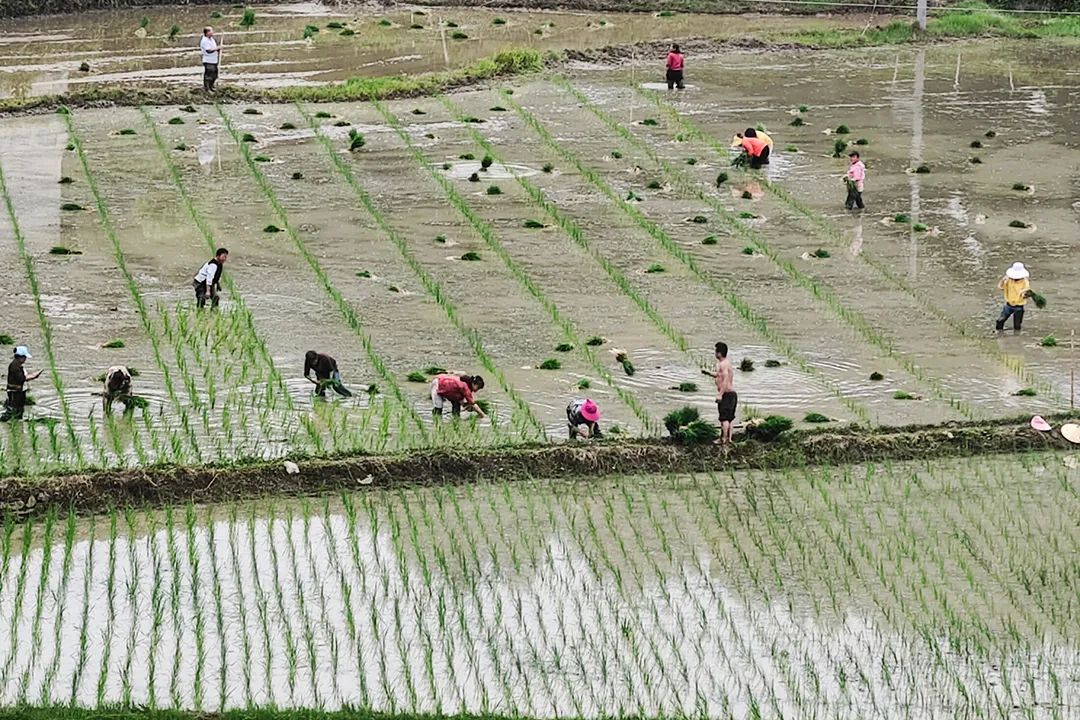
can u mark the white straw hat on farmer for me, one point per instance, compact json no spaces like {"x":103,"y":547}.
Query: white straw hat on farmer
{"x":1017,"y":271}
{"x":23,"y":351}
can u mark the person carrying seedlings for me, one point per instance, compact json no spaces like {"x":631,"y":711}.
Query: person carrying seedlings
{"x":458,"y":391}
{"x":756,"y":148}
{"x":211,"y":58}
{"x":856,"y":174}
{"x":726,"y":398}
{"x":117,"y":387}
{"x":16,"y":385}
{"x":675,"y":64}
{"x":326,"y":373}
{"x":207,"y":282}
{"x":582,"y":418}
{"x":1016,"y":288}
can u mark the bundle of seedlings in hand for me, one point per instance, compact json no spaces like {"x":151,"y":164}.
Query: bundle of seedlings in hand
{"x":1039,"y":300}
{"x":356,"y":140}
{"x":623,"y":359}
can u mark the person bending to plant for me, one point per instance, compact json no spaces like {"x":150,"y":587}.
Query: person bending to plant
{"x":582,"y":418}
{"x":726,"y":398}
{"x":457,"y":390}
{"x":756,"y":145}
{"x":16,"y":385}
{"x":326,"y":374}
{"x":207,"y":282}
{"x":117,"y":387}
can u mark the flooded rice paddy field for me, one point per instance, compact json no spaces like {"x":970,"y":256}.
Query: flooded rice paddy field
{"x":359,"y":254}
{"x":45,"y":55}
{"x":901,"y":591}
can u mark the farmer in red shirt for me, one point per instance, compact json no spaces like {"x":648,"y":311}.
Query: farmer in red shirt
{"x":457,"y":390}
{"x":675,"y":68}
{"x":757,"y":149}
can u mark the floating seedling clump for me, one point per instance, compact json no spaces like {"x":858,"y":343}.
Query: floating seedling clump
{"x":498,"y":21}
{"x":902,"y":395}
{"x":595,"y":341}
{"x":876,"y":376}
{"x":113,"y":344}
{"x":699,"y":219}
{"x":84,"y":67}
{"x":309,"y":31}
{"x":342,"y":123}
{"x":335,"y":25}
{"x":416,"y":377}
{"x":654,"y":185}
{"x":747,"y":195}
{"x":356,"y":140}
{"x":583,"y":384}
{"x":347,"y":32}
{"x":816,"y":418}
{"x":654,"y":268}
{"x":821,"y":253}
{"x":6,"y":339}
{"x":748,"y":250}
{"x":686,"y":426}
{"x":691,"y":161}
{"x":1039,"y":300}
{"x":248,"y":18}
{"x":467,"y":156}
{"x":747,"y":215}
{"x":252,"y":111}
{"x":901,"y":218}
{"x":494,"y":190}
{"x":550,"y":364}
{"x":1048,"y":341}
{"x":261,"y":159}
{"x":650,"y":121}
{"x":363,"y":273}
{"x":298,"y":176}
{"x":616,"y":154}
{"x":180,"y":147}
{"x":323,"y":114}
{"x":271,"y":228}
{"x":1020,"y":187}
{"x":486,"y":162}
{"x":839,"y":146}
{"x":922,"y":169}
{"x":623,"y":358}
{"x":632,"y":196}
{"x":975,"y":160}
{"x":441,"y":239}
{"x":797,"y":122}
{"x":176,"y":121}
{"x":564,"y":347}
{"x":65,"y":180}
{"x":187,"y":108}
{"x":842,"y":130}
{"x":1026,"y":392}
{"x":791,"y":149}
{"x":62,"y":250}
{"x":533,"y":224}
{"x":862,"y":141}
{"x":248,"y":138}
{"x":746,"y":365}
{"x":127,"y":131}
{"x":976,"y":144}
{"x":721,"y":179}
{"x":773,"y":363}
{"x":71,"y":207}
{"x":1018,"y":224}
{"x":475,"y":177}
{"x":548,"y":167}
{"x":470,"y":256}
{"x":919,"y":227}
{"x":709,"y":240}
{"x":686,"y":387}
{"x":459,"y":36}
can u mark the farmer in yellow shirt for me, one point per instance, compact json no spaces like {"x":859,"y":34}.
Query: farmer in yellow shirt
{"x":1016,"y":288}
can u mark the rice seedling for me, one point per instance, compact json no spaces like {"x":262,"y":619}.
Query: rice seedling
{"x":1039,"y":300}
{"x":248,"y":18}
{"x":686,"y":387}
{"x":654,"y":268}
{"x":180,"y":147}
{"x":583,"y":384}
{"x":709,"y":240}
{"x":248,"y":138}
{"x":271,"y":228}
{"x":976,"y":143}
{"x":1026,"y":392}
{"x":1048,"y":341}
{"x":747,"y":195}
{"x":721,"y":179}
{"x":773,"y":363}
{"x":494,"y":190}
{"x":922,"y":170}
{"x":901,"y":218}
{"x":595,"y":341}
{"x":654,"y":185}
{"x":310,"y":31}
{"x":1018,"y":224}
{"x":356,"y":140}
{"x":261,"y":159}
{"x":876,"y":376}
{"x":62,"y":250}
{"x":769,"y":428}
{"x":797,"y":122}
{"x":749,"y":251}
{"x":616,"y":154}
{"x":815,"y":417}
{"x":699,"y":219}
{"x":686,"y":426}
{"x":549,"y":364}
{"x":547,"y":168}
{"x":71,"y":207}
{"x":342,"y":123}
{"x":1020,"y":187}
{"x":335,"y":25}
{"x":791,"y":149}
{"x":632,"y":196}
{"x":297,"y":176}
{"x":84,"y":67}
{"x":919,"y":227}
{"x":475,"y":177}
{"x":113,"y":344}
{"x":533,"y":224}
{"x":747,"y":215}
{"x":821,"y":253}
{"x":975,"y":160}
{"x":902,"y":395}
{"x":6,"y":339}
{"x":746,"y":365}
{"x":471,"y":256}
{"x":839,"y":147}
{"x":127,"y":131}
{"x":842,"y":130}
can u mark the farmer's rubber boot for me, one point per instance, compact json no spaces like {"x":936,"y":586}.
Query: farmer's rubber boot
{"x":436,"y":414}
{"x":1018,"y":320}
{"x":1000,"y":324}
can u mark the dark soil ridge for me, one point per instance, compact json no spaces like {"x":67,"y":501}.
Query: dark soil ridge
{"x":696,"y":47}
{"x":160,"y":486}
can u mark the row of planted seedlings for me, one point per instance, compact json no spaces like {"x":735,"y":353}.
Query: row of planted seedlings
{"x":329,"y":427}
{"x":745,"y":229}
{"x":831,"y":236}
{"x":667,"y":241}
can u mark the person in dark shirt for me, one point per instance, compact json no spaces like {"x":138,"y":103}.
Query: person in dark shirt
{"x":16,"y":385}
{"x":117,"y":387}
{"x":326,"y":373}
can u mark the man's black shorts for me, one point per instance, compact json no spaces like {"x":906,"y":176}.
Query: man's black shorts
{"x":725,"y":406}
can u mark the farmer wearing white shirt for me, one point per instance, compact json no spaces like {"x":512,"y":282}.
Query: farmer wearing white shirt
{"x":207,"y":281}
{"x":211,"y":55}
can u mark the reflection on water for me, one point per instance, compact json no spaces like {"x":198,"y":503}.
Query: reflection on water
{"x":657,"y":596}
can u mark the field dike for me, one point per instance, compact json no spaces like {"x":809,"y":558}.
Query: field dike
{"x":166,"y":485}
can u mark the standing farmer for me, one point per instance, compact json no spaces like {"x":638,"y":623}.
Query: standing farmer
{"x":16,"y":385}
{"x":326,"y":373}
{"x":856,"y":174}
{"x":675,"y":68}
{"x":1016,"y":288}
{"x":457,"y":390}
{"x":211,"y":58}
{"x":207,"y":281}
{"x":726,"y":398}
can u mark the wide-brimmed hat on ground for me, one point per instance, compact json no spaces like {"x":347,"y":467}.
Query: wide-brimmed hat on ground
{"x":1071,"y":432}
{"x":1039,"y":424}
{"x":1017,"y":271}
{"x":590,"y":412}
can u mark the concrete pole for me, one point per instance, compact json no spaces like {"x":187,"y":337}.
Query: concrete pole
{"x":921,"y":14}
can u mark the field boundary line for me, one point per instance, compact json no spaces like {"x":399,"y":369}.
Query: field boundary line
{"x":827,"y":229}
{"x":855,"y":320}
{"x":483,"y":229}
{"x":346,"y":309}
{"x":133,"y":286}
{"x":429,"y":283}
{"x":573,"y":231}
{"x":721,"y":288}
{"x":43,"y":320}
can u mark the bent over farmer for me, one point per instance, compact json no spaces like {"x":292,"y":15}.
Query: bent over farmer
{"x":582,"y":418}
{"x":207,"y":282}
{"x":458,"y":391}
{"x":117,"y":387}
{"x":1016,"y":288}
{"x":326,"y":373}
{"x":16,"y":385}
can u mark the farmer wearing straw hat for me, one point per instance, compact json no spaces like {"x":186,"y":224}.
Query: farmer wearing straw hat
{"x":1016,"y":289}
{"x":16,"y":385}
{"x":583,"y":413}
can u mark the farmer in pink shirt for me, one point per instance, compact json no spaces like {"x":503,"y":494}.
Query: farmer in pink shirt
{"x":457,"y":390}
{"x":856,"y":174}
{"x":675,"y":68}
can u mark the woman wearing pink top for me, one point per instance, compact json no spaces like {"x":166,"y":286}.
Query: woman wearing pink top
{"x":675,"y":68}
{"x":458,"y":391}
{"x":856,"y":174}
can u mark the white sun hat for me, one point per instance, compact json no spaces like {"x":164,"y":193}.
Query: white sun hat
{"x":1017,"y":271}
{"x":1071,"y":432}
{"x":23,"y":351}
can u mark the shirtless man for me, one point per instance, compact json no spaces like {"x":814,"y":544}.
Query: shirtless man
{"x":726,"y":399}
